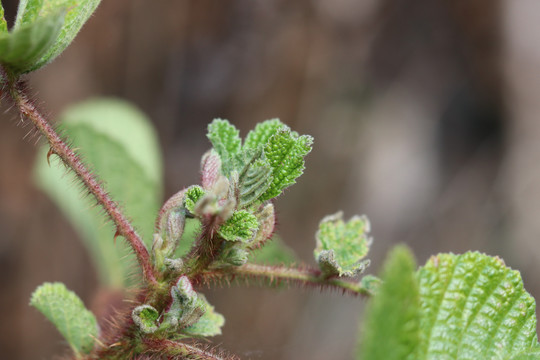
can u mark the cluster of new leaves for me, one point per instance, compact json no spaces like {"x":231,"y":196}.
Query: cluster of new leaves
{"x":468,"y":306}
{"x":42,"y":30}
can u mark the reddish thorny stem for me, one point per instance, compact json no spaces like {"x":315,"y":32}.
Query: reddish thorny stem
{"x":60,"y":148}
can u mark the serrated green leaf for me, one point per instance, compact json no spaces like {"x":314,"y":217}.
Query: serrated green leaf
{"x":226,"y":141}
{"x":209,"y":324}
{"x":146,"y":317}
{"x":193,"y":194}
{"x":77,"y":13}
{"x":259,"y":136}
{"x":241,"y":226}
{"x":285,"y":152}
{"x":22,"y":48}
{"x":120,"y":145}
{"x":3,"y":23}
{"x":474,"y":307}
{"x":391,"y":329}
{"x":67,"y":312}
{"x":341,"y":247}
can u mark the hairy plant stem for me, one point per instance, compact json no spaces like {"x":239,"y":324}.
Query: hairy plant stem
{"x":276,"y":275}
{"x":179,"y":350}
{"x":60,"y":148}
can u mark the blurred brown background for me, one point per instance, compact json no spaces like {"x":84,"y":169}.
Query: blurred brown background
{"x":424,"y":117}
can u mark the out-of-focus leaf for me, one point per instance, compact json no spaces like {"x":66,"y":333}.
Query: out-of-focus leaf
{"x":209,"y":324}
{"x":67,"y":312}
{"x":273,"y":252}
{"x":3,"y":23}
{"x":391,"y":330}
{"x":121,"y":147}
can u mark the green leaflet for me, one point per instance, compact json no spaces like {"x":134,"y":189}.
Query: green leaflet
{"x":121,"y":146}
{"x":391,"y":329}
{"x":77,"y":13}
{"x":23,"y":47}
{"x":209,"y":324}
{"x":259,"y":136}
{"x":146,"y":317}
{"x":474,"y":307}
{"x":241,"y":226}
{"x":3,"y":23}
{"x":341,"y":247}
{"x":68,"y":313}
{"x":226,"y":141}
{"x":285,"y":152}
{"x":193,"y":194}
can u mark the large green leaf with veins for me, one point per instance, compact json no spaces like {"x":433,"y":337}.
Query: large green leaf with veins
{"x":474,"y":307}
{"x":119,"y":144}
{"x":68,"y":313}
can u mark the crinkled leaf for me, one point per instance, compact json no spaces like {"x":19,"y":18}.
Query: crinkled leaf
{"x":341,"y":247}
{"x":186,"y":306}
{"x":241,"y":226}
{"x":259,"y":136}
{"x":77,"y":13}
{"x":285,"y":152}
{"x":226,"y":141}
{"x":68,"y":313}
{"x":474,"y":307}
{"x":193,"y":194}
{"x":146,"y":317}
{"x":266,"y":218}
{"x":121,"y":147}
{"x":22,"y":48}
{"x":209,"y":324}
{"x":254,"y":181}
{"x":391,"y":330}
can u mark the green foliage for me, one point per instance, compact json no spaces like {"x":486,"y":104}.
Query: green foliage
{"x":119,"y":143}
{"x":474,"y":307}
{"x":76,"y":12}
{"x":192,"y":196}
{"x":285,"y":152}
{"x":68,"y":313}
{"x":209,"y":324}
{"x":23,"y":47}
{"x":391,"y":330}
{"x":341,"y":247}
{"x":258,"y":137}
{"x":274,"y":252}
{"x":3,"y":23}
{"x":146,"y":317}
{"x":226,"y":141}
{"x":241,"y":226}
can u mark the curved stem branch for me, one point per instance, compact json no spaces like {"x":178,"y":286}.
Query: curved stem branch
{"x":276,"y":275}
{"x":59,"y":147}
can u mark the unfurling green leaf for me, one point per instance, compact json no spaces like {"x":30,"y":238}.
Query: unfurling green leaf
{"x":285,"y":152}
{"x":23,"y":47}
{"x":77,"y":13}
{"x":391,"y":330}
{"x":258,"y":137}
{"x":341,"y":247}
{"x":210,"y":169}
{"x":232,"y":254}
{"x":226,"y":141}
{"x":146,"y":317}
{"x":266,"y":218}
{"x":209,"y":324}
{"x":474,"y":307}
{"x":192,"y":195}
{"x":241,"y":226}
{"x":120,"y":145}
{"x":253,"y":181}
{"x":68,"y":313}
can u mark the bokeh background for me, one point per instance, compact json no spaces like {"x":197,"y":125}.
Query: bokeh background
{"x":424,"y":115}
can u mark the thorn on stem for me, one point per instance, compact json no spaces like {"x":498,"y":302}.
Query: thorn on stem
{"x":116,"y":234}
{"x":49,"y":153}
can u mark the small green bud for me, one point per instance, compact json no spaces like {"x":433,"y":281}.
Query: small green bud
{"x":145,"y":316}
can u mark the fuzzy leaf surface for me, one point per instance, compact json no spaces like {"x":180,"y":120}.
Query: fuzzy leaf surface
{"x":77,"y":13}
{"x":259,"y":136}
{"x":209,"y":324}
{"x":67,"y":312}
{"x":22,"y":48}
{"x":391,"y":330}
{"x":226,"y":141}
{"x":120,"y":145}
{"x":474,"y":307}
{"x":145,"y":316}
{"x":285,"y":152}
{"x":241,"y":226}
{"x":342,"y":246}
{"x":193,"y":194}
